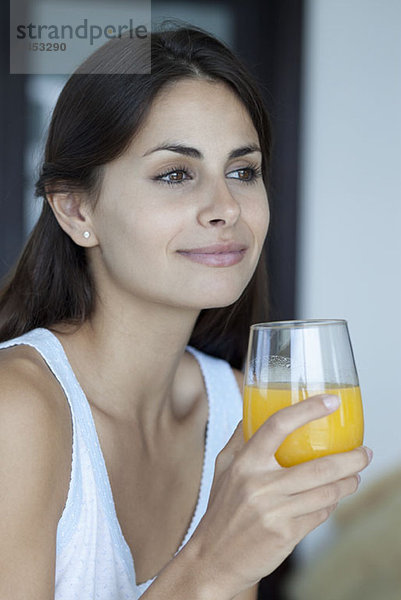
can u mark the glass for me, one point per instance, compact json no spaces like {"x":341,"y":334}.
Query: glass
{"x":288,"y":361}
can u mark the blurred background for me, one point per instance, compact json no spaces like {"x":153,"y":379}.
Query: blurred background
{"x":330,"y":72}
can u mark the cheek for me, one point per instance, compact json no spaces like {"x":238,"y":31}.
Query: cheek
{"x":141,"y":236}
{"x":157,"y":229}
{"x":257,"y":215}
{"x":265,"y":219}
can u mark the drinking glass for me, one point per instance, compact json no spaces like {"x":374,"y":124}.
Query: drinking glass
{"x":289,"y":361}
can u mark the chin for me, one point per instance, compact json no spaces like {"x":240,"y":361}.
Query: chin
{"x":210,"y":293}
{"x":221,"y":300}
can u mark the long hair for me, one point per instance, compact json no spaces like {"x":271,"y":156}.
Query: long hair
{"x":94,"y":121}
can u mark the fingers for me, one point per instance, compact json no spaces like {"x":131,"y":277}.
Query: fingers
{"x":307,"y":523}
{"x":325,"y":497}
{"x":322,"y":471}
{"x":273,"y":432}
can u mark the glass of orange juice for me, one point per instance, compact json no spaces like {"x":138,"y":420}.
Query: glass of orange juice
{"x":289,"y":361}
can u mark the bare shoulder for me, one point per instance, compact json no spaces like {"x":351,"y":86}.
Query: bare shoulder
{"x":27,"y":385}
{"x":35,"y":421}
{"x":35,"y":466}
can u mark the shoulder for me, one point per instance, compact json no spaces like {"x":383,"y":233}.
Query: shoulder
{"x":217,"y":366}
{"x":35,"y":427}
{"x":27,"y":384}
{"x":35,"y":462}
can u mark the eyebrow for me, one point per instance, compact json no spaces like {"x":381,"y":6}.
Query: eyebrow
{"x":195,"y":153}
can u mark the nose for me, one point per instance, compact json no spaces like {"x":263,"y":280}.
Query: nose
{"x":220,"y":209}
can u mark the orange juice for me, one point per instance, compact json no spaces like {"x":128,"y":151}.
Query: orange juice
{"x":338,"y":432}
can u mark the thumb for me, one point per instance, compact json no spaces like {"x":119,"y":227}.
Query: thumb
{"x":230,"y":450}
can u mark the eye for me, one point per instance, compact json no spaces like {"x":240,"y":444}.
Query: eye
{"x":180,"y":174}
{"x":174,"y":176}
{"x":248,"y":174}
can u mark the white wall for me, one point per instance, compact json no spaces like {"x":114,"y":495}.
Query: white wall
{"x":350,"y":214}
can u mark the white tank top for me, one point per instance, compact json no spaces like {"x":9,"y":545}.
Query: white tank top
{"x":93,"y":560}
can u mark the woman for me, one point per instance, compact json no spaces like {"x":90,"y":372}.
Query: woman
{"x":139,"y":282}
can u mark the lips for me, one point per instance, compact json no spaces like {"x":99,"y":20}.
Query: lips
{"x":216,"y":255}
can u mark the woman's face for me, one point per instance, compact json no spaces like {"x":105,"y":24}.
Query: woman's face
{"x":184,"y":226}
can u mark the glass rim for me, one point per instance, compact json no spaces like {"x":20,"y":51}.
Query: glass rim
{"x":301,"y":323}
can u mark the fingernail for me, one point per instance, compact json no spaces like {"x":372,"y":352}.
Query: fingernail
{"x":369,"y":453}
{"x":331,"y":402}
{"x":358,"y":478}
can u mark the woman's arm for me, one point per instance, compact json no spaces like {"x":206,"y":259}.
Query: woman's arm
{"x":31,"y":488}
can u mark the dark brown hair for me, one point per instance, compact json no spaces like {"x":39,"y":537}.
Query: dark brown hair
{"x":95,"y":119}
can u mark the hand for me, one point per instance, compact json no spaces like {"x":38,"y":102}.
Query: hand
{"x":258,"y":511}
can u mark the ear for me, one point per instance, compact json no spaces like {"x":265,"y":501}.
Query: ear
{"x":73,"y":217}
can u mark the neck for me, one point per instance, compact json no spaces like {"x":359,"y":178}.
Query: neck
{"x":127,"y":360}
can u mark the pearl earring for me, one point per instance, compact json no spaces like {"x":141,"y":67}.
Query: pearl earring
{"x":86,"y":234}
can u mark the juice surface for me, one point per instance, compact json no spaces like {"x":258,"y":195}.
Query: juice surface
{"x":338,"y":432}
